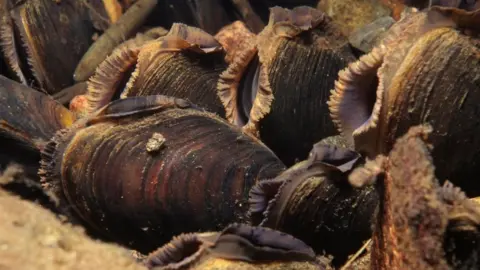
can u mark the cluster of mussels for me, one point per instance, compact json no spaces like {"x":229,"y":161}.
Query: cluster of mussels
{"x":245,"y":142}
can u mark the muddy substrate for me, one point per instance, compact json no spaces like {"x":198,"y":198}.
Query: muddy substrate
{"x":32,"y":237}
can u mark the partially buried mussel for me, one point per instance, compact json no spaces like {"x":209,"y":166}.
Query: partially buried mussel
{"x":185,"y":63}
{"x":279,"y":80}
{"x":238,"y":246}
{"x":420,"y":224}
{"x":142,"y":169}
{"x":43,"y":40}
{"x":314,"y":202}
{"x":425,"y":70}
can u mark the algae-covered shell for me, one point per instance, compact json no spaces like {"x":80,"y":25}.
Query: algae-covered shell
{"x":313,"y":201}
{"x":420,"y":224}
{"x":426,"y":70}
{"x":276,"y":87}
{"x":43,"y":40}
{"x":185,"y":63}
{"x":238,"y":246}
{"x":143,"y":169}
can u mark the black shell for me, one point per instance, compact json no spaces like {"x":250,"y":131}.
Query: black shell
{"x":314,"y":202}
{"x":143,"y":169}
{"x":277,"y":87}
{"x":43,"y":40}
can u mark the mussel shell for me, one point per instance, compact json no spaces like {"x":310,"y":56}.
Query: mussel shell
{"x":238,"y":246}
{"x":300,"y":77}
{"x":55,"y":36}
{"x":28,"y":119}
{"x":198,"y":179}
{"x":314,"y":202}
{"x":28,"y":116}
{"x":420,"y":224}
{"x":277,"y":87}
{"x":185,"y":63}
{"x":402,"y":83}
{"x":187,"y":74}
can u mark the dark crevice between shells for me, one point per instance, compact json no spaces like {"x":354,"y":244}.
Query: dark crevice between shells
{"x":355,"y":102}
{"x":247,"y":91}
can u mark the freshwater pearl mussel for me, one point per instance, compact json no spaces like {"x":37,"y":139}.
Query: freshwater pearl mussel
{"x":278,"y":81}
{"x":184,"y":63}
{"x":145,"y":162}
{"x":161,"y":166}
{"x":430,"y":226}
{"x":425,"y":70}
{"x":43,"y":40}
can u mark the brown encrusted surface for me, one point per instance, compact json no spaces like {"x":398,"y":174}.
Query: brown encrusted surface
{"x":351,"y":15}
{"x":235,"y":38}
{"x":33,"y":238}
{"x":412,"y":218}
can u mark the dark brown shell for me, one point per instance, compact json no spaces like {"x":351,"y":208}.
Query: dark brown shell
{"x":28,"y":119}
{"x":43,"y":41}
{"x":29,"y":116}
{"x":239,"y":246}
{"x":186,"y":63}
{"x":156,"y":166}
{"x":277,"y":86}
{"x":420,"y":224}
{"x":314,"y":202}
{"x":426,"y":70}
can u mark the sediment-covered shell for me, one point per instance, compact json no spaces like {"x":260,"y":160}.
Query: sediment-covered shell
{"x":313,"y":201}
{"x":277,"y":86}
{"x":43,"y":40}
{"x":426,"y":70}
{"x":143,"y":169}
{"x":28,"y":120}
{"x":238,"y":246}
{"x":420,"y":224}
{"x":185,"y":63}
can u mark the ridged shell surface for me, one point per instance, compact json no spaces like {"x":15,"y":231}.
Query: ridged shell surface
{"x":197,"y":178}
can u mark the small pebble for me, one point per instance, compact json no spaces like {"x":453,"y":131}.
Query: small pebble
{"x":155,"y":143}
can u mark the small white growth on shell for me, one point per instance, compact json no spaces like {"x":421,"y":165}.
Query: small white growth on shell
{"x":155,"y":142}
